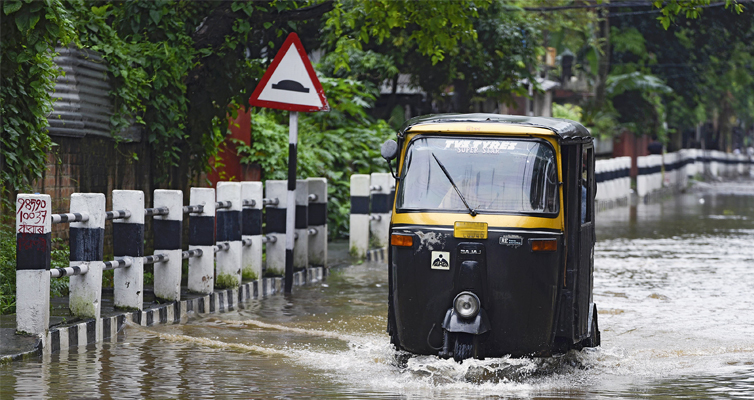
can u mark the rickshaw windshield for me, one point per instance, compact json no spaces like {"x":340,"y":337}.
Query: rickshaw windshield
{"x":494,"y":175}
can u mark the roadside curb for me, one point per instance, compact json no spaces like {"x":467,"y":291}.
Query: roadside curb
{"x":106,"y":328}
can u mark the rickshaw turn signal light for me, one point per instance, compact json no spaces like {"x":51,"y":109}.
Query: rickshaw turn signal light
{"x":544,"y":244}
{"x":470,"y":230}
{"x":402,"y":240}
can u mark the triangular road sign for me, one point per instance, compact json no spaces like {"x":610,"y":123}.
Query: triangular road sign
{"x":290,"y":82}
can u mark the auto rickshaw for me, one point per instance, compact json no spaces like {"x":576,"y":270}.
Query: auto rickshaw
{"x":492,"y":236}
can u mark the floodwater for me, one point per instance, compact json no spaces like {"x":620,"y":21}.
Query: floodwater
{"x":673,"y":283}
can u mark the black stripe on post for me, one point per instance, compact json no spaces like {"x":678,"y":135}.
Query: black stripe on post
{"x":228,"y":226}
{"x":33,"y":250}
{"x":107,"y":332}
{"x":128,"y":240}
{"x":87,"y":244}
{"x":252,"y":221}
{"x":380,"y":203}
{"x":55,"y":339}
{"x":359,"y":205}
{"x":288,"y":270}
{"x":317,"y":214}
{"x":275,"y":218}
{"x":167,"y":234}
{"x":302,"y":218}
{"x":73,"y":336}
{"x":201,"y":230}
{"x":91,"y":331}
{"x":292,"y":166}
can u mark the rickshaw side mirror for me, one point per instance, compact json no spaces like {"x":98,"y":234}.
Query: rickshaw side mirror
{"x":389,"y":150}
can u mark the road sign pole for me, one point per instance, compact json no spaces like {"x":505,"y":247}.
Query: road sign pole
{"x":290,"y":212}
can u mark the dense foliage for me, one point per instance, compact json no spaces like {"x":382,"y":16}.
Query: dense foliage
{"x":29,"y":31}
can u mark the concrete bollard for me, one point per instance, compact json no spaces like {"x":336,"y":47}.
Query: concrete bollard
{"x":318,"y":221}
{"x":251,"y":230}
{"x":128,"y":241}
{"x":301,"y":244}
{"x":168,"y":231}
{"x":228,"y":229}
{"x":201,"y":270}
{"x":275,"y":227}
{"x":87,"y":240}
{"x":358,"y":238}
{"x":33,"y":247}
{"x":379,"y":225}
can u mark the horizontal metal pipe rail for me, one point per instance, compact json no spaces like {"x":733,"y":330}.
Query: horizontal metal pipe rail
{"x":312,"y":197}
{"x":69,"y":217}
{"x":249,"y":203}
{"x":157,"y":258}
{"x":312,"y":231}
{"x":223,"y":204}
{"x":269,"y":239}
{"x":246,"y":242}
{"x":222,"y":247}
{"x":270,"y":202}
{"x":193,"y":209}
{"x":156,"y":211}
{"x":375,"y":217}
{"x":122,"y":263}
{"x":117,"y":214}
{"x":192,"y":253}
{"x":69,"y":271}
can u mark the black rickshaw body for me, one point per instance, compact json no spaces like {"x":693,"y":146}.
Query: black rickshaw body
{"x":492,"y":237}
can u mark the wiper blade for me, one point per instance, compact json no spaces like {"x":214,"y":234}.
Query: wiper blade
{"x":447,"y":175}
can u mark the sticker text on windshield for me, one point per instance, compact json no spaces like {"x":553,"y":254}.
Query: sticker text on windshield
{"x":479,"y":146}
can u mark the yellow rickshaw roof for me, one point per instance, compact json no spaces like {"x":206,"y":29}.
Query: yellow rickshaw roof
{"x":497,"y":123}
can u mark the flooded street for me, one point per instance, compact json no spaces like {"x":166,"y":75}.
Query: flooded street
{"x":673,"y":284}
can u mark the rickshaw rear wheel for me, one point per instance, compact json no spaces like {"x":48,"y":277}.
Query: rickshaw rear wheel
{"x":464,"y":346}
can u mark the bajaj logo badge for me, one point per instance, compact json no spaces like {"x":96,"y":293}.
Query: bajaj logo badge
{"x":511,"y":240}
{"x":471,"y":251}
{"x":440,"y":260}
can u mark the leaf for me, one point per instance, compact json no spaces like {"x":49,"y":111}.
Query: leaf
{"x":22,"y":21}
{"x":267,"y":25}
{"x":11,"y":6}
{"x":156,"y":16}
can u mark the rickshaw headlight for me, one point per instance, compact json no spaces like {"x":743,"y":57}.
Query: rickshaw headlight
{"x":466,"y":305}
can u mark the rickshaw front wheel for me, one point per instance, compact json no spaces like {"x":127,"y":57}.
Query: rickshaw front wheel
{"x":464,"y":346}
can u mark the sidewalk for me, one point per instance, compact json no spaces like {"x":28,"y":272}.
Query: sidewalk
{"x":19,"y":347}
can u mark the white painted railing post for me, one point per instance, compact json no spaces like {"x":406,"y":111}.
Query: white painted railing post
{"x":201,"y":270}
{"x":87,"y":240}
{"x":318,"y":221}
{"x":229,"y":231}
{"x":128,"y":241}
{"x":33,"y":247}
{"x":251,"y":230}
{"x":168,"y":230}
{"x":381,"y":208}
{"x":358,"y":238}
{"x":301,"y":243}
{"x":275,"y":226}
